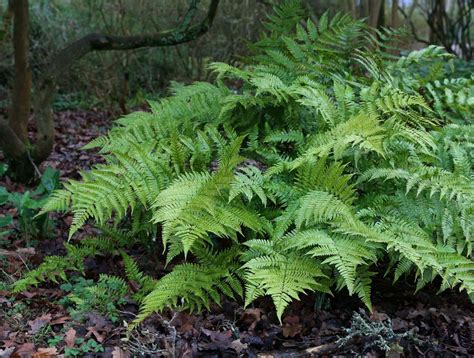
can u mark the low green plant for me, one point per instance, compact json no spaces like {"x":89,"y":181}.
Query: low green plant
{"x":3,"y":169}
{"x":332,"y":163}
{"x":44,"y":335}
{"x":5,"y":220}
{"x":55,"y":268}
{"x":29,"y":223}
{"x":55,"y":340}
{"x":104,"y":296}
{"x":85,"y":346}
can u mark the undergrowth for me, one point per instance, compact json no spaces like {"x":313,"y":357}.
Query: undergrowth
{"x":334,"y":160}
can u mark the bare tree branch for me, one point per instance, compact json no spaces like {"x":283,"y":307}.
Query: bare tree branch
{"x":412,"y":26}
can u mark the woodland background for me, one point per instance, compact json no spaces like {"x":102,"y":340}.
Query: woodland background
{"x":117,"y":80}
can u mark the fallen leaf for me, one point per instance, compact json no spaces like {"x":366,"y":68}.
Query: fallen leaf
{"x":399,"y":324}
{"x":93,"y":331}
{"x":238,"y":346}
{"x":378,"y":316}
{"x":184,"y":323}
{"x":26,"y":350}
{"x":39,"y":323}
{"x":218,"y":337}
{"x":292,"y":330}
{"x":98,"y":321}
{"x":251,"y":317}
{"x":120,"y":353}
{"x":60,"y":320}
{"x":6,"y":353}
{"x":70,"y":337}
{"x":4,"y":331}
{"x":7,"y":253}
{"x":28,"y":294}
{"x":291,"y":319}
{"x":9,"y":343}
{"x":46,"y":352}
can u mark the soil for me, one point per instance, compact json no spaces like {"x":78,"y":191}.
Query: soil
{"x":35,"y":324}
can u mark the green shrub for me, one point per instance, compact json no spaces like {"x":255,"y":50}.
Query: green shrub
{"x":333,"y":159}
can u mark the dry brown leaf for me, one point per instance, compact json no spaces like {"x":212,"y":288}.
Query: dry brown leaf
{"x":70,"y":338}
{"x":92,"y":331}
{"x":251,"y":317}
{"x":5,"y":301}
{"x":238,"y":346}
{"x":39,"y":323}
{"x":120,"y":353}
{"x":60,"y":320}
{"x":46,"y":352}
{"x":26,"y":350}
{"x":291,"y":319}
{"x":218,"y":337}
{"x":4,"y":331}
{"x":292,"y":330}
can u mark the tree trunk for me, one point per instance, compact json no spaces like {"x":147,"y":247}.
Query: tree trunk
{"x":351,"y":8}
{"x":374,"y":12}
{"x":14,"y":134}
{"x":381,"y":18}
{"x":394,"y":21}
{"x":15,"y":139}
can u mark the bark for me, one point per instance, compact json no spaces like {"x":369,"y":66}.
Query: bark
{"x":394,"y":20}
{"x":14,"y":134}
{"x":21,"y":93}
{"x":351,"y":8}
{"x":381,"y":17}
{"x":374,"y":12}
{"x":365,"y":8}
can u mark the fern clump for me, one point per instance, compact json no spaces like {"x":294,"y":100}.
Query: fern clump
{"x":331,"y":158}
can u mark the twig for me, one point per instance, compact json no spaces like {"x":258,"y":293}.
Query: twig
{"x":323,"y":349}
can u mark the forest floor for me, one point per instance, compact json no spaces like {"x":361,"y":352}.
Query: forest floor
{"x":35,"y":323}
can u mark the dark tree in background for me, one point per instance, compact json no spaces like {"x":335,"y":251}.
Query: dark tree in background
{"x":449,"y":22}
{"x":22,"y":155}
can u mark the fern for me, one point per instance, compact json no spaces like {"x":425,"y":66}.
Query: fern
{"x":332,"y":159}
{"x":195,"y":285}
{"x":283,"y":278}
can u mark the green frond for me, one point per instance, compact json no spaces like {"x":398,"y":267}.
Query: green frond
{"x":193,"y":286}
{"x":283,"y":277}
{"x":319,"y":207}
{"x":133,"y":273}
{"x":248,"y":182}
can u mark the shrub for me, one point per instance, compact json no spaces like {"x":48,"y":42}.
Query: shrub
{"x":332,"y":162}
